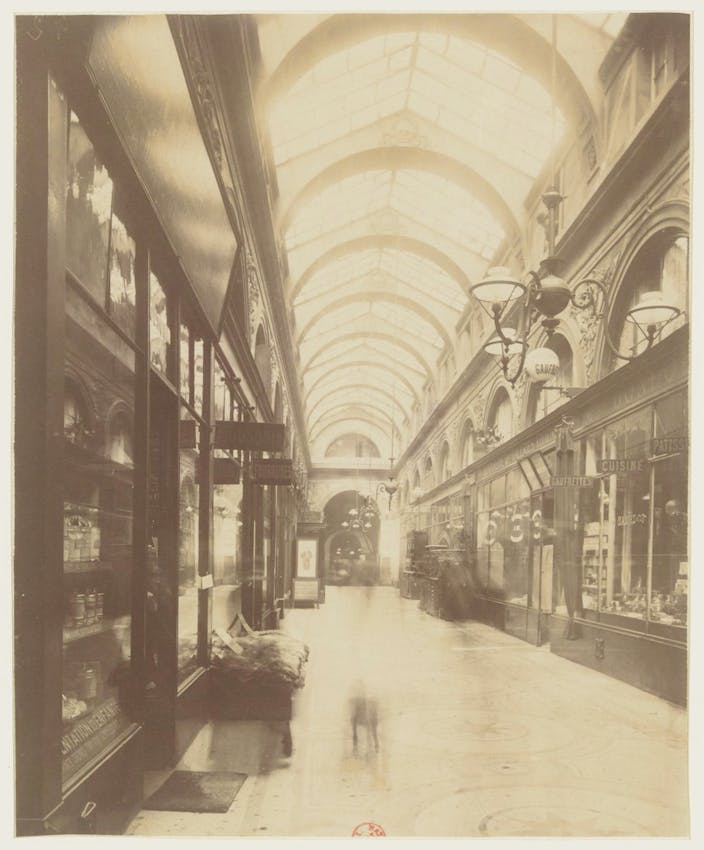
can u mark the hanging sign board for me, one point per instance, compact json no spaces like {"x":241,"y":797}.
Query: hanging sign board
{"x":250,"y":436}
{"x":572,"y":481}
{"x":272,"y":471}
{"x":226,"y":471}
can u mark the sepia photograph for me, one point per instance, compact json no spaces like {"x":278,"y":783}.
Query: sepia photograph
{"x":351,"y":411}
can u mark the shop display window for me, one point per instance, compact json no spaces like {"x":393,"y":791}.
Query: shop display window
{"x":188,"y":552}
{"x":160,"y":328}
{"x":97,"y":701}
{"x":633,"y":523}
{"x":198,"y":347}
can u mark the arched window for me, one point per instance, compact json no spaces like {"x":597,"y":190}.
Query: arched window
{"x":262,"y":358}
{"x":445,"y":471}
{"x":352,"y":445}
{"x":467,"y":445}
{"x":501,"y":415}
{"x":661,"y":265}
{"x":541,"y":399}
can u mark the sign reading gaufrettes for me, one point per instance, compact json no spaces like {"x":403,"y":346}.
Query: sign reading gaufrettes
{"x":572,"y":481}
{"x":250,"y":436}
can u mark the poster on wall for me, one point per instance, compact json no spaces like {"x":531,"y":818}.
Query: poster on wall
{"x":307,"y":558}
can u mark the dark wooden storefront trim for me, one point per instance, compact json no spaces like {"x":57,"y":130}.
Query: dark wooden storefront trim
{"x":649,"y":662}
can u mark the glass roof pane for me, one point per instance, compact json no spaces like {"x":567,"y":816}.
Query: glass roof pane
{"x":374,"y":377}
{"x":433,"y":201}
{"x":341,"y":203}
{"x":332,"y":88}
{"x":448,"y":209}
{"x":367,"y":323}
{"x":375,"y":397}
{"x":474,"y":86}
{"x":363,"y":348}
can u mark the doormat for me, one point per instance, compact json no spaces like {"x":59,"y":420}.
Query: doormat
{"x":194,"y":791}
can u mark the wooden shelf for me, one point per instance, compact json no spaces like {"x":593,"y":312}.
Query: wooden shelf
{"x":72,"y":567}
{"x":71,"y":635}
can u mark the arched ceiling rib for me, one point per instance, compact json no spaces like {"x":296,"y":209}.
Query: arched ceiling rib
{"x":406,"y":147}
{"x":365,"y":367}
{"x":363,"y":393}
{"x":373,"y":298}
{"x":381,"y":241}
{"x":401,"y":344}
{"x":394,"y":158}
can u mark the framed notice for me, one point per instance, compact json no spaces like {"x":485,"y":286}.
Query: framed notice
{"x":307,"y":557}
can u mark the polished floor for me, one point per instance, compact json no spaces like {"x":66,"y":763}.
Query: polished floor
{"x":479,"y":734}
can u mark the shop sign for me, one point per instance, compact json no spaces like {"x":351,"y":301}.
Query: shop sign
{"x":621,"y":466}
{"x":272,"y":471}
{"x":250,"y":436}
{"x":226,"y":471}
{"x":572,"y":481}
{"x":668,"y":445}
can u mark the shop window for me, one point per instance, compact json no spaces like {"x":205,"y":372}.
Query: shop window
{"x":633,"y":523}
{"x":190,"y":354}
{"x":188,"y":554}
{"x":661,"y":265}
{"x":222,"y":396}
{"x":100,"y":251}
{"x":160,"y":328}
{"x":98,"y":537}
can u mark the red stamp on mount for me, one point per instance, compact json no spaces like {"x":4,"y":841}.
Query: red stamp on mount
{"x":367,"y":830}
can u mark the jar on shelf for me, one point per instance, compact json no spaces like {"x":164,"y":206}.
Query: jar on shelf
{"x":90,"y":606}
{"x":78,"y":609}
{"x":99,"y":599}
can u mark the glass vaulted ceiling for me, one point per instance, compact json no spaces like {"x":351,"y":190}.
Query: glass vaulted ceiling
{"x":381,"y":246}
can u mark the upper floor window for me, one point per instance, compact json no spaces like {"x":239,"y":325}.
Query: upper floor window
{"x":661,"y":265}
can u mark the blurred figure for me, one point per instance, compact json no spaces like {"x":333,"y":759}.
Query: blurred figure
{"x":363,"y":712}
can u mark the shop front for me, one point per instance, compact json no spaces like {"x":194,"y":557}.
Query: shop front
{"x":582,"y":526}
{"x":136,"y":529}
{"x":621,"y":603}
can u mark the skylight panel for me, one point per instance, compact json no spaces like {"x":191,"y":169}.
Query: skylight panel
{"x":345,"y":201}
{"x":412,"y":322}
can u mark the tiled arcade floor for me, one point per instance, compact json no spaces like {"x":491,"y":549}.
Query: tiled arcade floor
{"x":479,"y":733}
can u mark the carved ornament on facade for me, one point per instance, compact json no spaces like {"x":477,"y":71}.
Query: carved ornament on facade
{"x":204,"y":89}
{"x":403,"y":131}
{"x":588,"y":322}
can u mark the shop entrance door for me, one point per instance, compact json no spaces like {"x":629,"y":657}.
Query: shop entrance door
{"x":161,"y":578}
